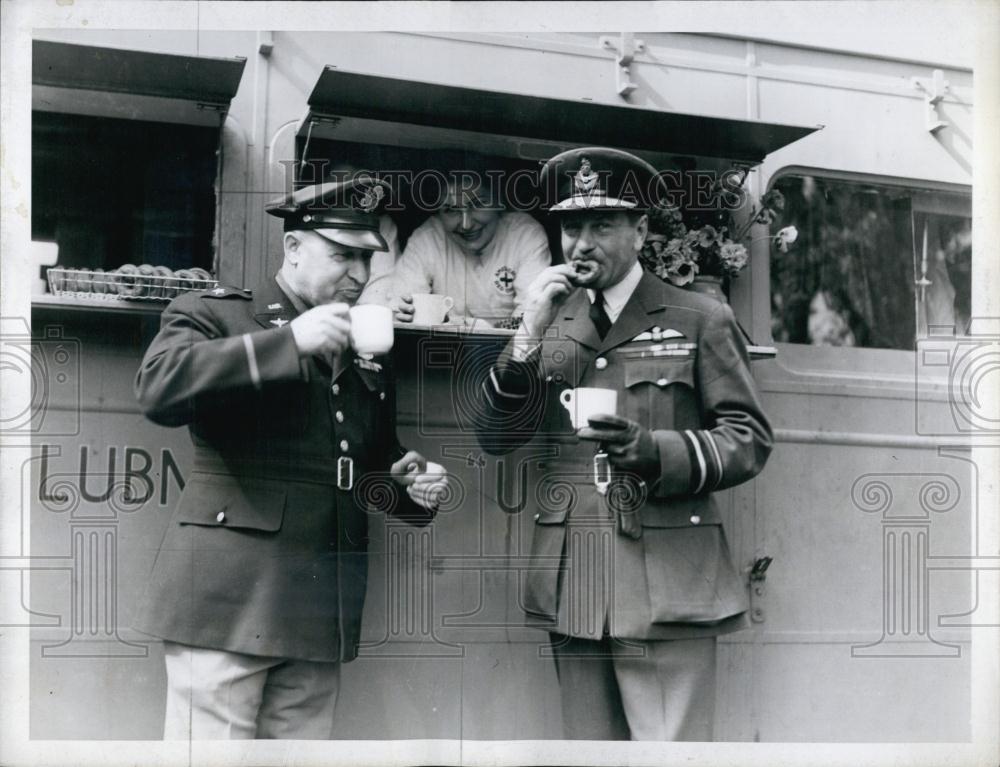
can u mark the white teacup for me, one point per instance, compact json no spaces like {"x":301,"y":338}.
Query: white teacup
{"x":430,"y":308}
{"x":371,"y":329}
{"x":584,"y":402}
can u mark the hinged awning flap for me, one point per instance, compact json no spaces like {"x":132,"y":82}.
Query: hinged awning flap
{"x":114,"y":82}
{"x":339,"y":93}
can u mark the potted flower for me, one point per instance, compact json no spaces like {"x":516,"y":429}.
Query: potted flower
{"x":713,"y":249}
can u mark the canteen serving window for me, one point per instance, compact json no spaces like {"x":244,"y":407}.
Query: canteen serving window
{"x":378,"y":123}
{"x":875,"y":265}
{"x":125,"y":156}
{"x":109,"y":192}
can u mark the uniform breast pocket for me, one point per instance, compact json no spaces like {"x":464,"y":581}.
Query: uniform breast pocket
{"x":657,"y":390}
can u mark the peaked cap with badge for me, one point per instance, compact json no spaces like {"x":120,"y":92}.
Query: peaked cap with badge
{"x":597,"y":178}
{"x":344,"y":212}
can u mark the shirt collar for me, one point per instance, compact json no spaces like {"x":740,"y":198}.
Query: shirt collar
{"x":290,"y":294}
{"x":617,"y":295}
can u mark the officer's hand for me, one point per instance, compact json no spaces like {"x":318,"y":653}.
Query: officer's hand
{"x":630,"y":447}
{"x":544,"y":296}
{"x":403,"y":308}
{"x":322,"y":330}
{"x":425,"y":481}
{"x":408,"y":468}
{"x":429,"y":487}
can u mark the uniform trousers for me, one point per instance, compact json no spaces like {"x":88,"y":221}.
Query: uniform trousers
{"x":636,"y":689}
{"x":220,"y":695}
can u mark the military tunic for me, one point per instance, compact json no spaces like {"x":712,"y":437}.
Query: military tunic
{"x":265,"y":551}
{"x":680,"y":368}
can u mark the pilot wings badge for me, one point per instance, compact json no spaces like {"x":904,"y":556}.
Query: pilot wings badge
{"x":371,"y":198}
{"x":585,"y":179}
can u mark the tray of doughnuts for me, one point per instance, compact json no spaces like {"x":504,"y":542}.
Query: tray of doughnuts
{"x":128,"y":282}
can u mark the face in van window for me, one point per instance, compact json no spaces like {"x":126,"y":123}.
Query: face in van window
{"x":470,"y":217}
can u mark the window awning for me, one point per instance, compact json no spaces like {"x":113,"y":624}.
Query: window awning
{"x":353,"y":98}
{"x":138,"y":85}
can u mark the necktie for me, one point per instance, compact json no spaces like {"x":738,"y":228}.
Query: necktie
{"x":598,"y":316}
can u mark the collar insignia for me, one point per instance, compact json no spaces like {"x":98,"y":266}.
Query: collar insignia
{"x":274,"y":306}
{"x":279,"y":322}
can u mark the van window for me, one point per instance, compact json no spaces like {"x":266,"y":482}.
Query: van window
{"x":874,"y":266}
{"x":109,"y":191}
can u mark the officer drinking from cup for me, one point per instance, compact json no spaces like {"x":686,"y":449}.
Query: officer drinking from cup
{"x":258,"y":584}
{"x":644,"y":581}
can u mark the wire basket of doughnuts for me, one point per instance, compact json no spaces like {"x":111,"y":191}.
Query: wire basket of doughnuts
{"x":130,"y":282}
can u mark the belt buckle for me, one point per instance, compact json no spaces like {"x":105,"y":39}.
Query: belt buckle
{"x":345,"y":466}
{"x":602,"y":473}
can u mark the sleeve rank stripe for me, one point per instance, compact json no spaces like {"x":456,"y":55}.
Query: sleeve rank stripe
{"x":528,"y":355}
{"x":501,"y":392}
{"x":699,"y":461}
{"x":252,"y":360}
{"x":716,"y":455}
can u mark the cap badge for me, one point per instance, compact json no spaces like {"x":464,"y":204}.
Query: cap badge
{"x":585,"y":179}
{"x":371,"y":198}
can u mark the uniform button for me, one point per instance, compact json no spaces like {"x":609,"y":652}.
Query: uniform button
{"x":381,"y":395}
{"x":538,"y":517}
{"x":695,"y":520}
{"x":601,"y":363}
{"x":220,"y":517}
{"x":335,"y":388}
{"x":339,"y":416}
{"x":661,"y":381}
{"x":548,"y":378}
{"x":343,"y":445}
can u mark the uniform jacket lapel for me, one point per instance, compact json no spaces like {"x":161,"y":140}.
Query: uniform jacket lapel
{"x":643,"y":310}
{"x":577,"y":325}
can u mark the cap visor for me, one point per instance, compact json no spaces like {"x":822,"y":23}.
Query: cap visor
{"x":592,"y":202}
{"x":366,"y":239}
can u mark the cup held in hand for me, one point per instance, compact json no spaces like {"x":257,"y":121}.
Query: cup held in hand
{"x":371,"y":329}
{"x":584,"y":402}
{"x":431,"y":308}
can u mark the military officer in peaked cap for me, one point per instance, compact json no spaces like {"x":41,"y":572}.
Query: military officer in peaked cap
{"x":645,"y":581}
{"x":258,"y":584}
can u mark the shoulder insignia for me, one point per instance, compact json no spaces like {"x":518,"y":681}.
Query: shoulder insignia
{"x":225,"y":291}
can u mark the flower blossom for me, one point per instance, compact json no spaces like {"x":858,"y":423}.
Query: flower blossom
{"x":733,"y":256}
{"x":786,"y":237}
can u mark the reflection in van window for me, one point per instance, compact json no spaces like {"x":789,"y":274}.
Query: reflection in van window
{"x":875,"y":265}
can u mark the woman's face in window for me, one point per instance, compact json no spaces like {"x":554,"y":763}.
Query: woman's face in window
{"x":470,"y":218}
{"x":827,"y":322}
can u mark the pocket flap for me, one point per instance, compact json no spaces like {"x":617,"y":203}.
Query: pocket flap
{"x":680,"y":513}
{"x":215,"y":500}
{"x":659,"y":371}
